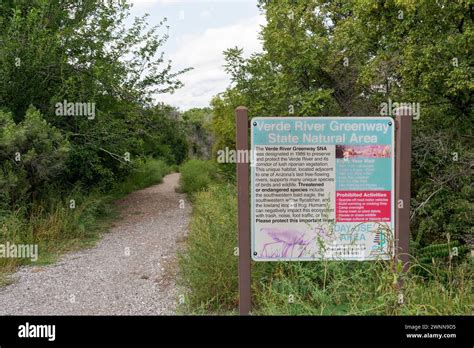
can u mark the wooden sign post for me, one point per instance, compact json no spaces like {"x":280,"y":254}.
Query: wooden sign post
{"x":242,"y":144}
{"x":402,"y":185}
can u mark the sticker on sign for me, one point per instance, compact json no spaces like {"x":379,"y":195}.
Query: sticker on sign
{"x":322,"y":188}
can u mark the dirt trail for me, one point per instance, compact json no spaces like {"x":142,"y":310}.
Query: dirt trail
{"x":131,"y":270}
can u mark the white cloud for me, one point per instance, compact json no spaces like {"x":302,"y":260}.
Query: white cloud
{"x":203,"y":52}
{"x":146,"y":2}
{"x":205,"y":14}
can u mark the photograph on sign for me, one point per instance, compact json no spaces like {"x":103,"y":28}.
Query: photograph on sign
{"x":322,"y":188}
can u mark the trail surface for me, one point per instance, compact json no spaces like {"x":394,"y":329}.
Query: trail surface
{"x":131,"y":270}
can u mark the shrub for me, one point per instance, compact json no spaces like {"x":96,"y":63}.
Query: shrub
{"x":32,"y":155}
{"x":147,"y":173}
{"x":197,"y":175}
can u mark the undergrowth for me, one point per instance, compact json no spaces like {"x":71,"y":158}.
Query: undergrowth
{"x":442,"y":286}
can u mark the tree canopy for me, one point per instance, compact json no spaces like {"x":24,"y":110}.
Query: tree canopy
{"x":331,"y":58}
{"x":77,"y":52}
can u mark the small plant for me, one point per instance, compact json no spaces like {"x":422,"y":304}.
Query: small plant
{"x":439,"y":258}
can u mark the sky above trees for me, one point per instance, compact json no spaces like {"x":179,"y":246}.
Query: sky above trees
{"x":199,"y":32}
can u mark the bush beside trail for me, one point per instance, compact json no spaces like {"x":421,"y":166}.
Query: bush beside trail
{"x":197,"y":175}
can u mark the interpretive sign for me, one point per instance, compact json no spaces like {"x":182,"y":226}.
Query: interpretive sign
{"x":322,"y":188}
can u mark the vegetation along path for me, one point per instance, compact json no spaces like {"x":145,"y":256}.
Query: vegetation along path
{"x":131,"y":271}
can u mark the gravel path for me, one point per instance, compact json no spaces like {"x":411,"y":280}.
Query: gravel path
{"x":131,"y":270}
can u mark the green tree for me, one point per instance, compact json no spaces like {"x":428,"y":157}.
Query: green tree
{"x":83,"y":52}
{"x":329,"y":57}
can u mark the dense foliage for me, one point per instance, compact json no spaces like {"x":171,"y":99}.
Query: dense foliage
{"x":33,"y":153}
{"x":69,"y":52}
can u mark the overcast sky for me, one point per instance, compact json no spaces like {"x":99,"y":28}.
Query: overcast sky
{"x":200,"y":30}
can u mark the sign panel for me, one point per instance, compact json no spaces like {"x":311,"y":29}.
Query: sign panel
{"x":322,"y":188}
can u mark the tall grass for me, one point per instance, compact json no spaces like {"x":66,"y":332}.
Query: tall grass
{"x":147,"y":173}
{"x":361,"y":288}
{"x":209,"y":265}
{"x":55,"y":230}
{"x":196,"y":175}
{"x":59,"y":225}
{"x":209,"y":271}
